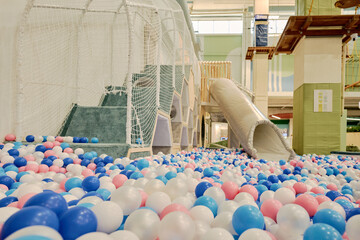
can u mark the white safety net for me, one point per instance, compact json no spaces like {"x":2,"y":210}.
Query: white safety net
{"x":77,"y":52}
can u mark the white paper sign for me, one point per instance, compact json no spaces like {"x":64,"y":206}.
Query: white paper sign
{"x":323,"y":100}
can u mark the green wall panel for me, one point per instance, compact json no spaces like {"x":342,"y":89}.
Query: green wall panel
{"x":317,"y":132}
{"x":320,"y":7}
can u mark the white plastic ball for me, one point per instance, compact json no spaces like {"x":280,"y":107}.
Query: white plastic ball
{"x":6,"y":212}
{"x":176,"y":188}
{"x":95,"y":236}
{"x":124,"y":234}
{"x":38,"y":230}
{"x":144,"y":223}
{"x":158,"y":201}
{"x":177,"y":225}
{"x":294,"y":218}
{"x":224,"y":220}
{"x":353,"y":227}
{"x":217,"y":234}
{"x":109,"y":216}
{"x":228,"y":206}
{"x":128,"y":198}
{"x":216,"y":193}
{"x":284,"y":195}
{"x":254,"y":233}
{"x":202,"y":213}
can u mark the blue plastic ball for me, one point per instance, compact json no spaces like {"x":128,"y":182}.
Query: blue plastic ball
{"x":20,"y":162}
{"x":30,"y":138}
{"x":76,"y":139}
{"x":7,"y":200}
{"x":77,"y":221}
{"x":352,"y":212}
{"x":333,"y":194}
{"x":91,"y":183}
{"x":142,"y":163}
{"x":13,"y":152}
{"x":321,"y":231}
{"x":332,"y":218}
{"x":84,"y":140}
{"x":108,"y":159}
{"x":162,"y":178}
{"x":30,"y":216}
{"x":94,"y":140}
{"x":246,"y":217}
{"x":201,"y":188}
{"x":50,"y":200}
{"x":136,"y":175}
{"x":6,"y":180}
{"x":208,"y":202}
{"x":208,"y":172}
{"x":40,"y":148}
{"x":73,"y":183}
{"x":170,"y":175}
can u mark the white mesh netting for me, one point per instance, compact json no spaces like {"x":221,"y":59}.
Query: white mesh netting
{"x":77,"y":52}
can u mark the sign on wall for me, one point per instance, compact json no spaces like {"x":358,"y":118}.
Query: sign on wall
{"x":323,"y":100}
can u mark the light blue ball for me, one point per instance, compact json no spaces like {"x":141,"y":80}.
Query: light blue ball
{"x":94,"y":140}
{"x":321,"y":231}
{"x":208,"y":172}
{"x":142,"y":163}
{"x":208,"y":202}
{"x":246,"y":217}
{"x":332,"y":218}
{"x":73,"y":183}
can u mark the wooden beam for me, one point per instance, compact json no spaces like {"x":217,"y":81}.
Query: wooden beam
{"x":306,"y":24}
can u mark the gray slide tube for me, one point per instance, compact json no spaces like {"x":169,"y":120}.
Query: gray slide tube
{"x":257,"y":134}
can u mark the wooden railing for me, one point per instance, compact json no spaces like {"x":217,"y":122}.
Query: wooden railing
{"x":212,"y":69}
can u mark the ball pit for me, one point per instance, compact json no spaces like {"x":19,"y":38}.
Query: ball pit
{"x":50,"y":191}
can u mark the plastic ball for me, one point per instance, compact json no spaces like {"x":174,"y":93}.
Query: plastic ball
{"x":124,"y":234}
{"x":246,"y":217}
{"x":321,"y":231}
{"x":158,"y":201}
{"x":308,"y":202}
{"x":176,"y":188}
{"x":294,"y":218}
{"x":202,"y":213}
{"x":176,"y":225}
{"x":284,"y":195}
{"x":10,"y":137}
{"x":95,"y":236}
{"x":352,"y":227}
{"x":208,"y":202}
{"x":270,"y":208}
{"x":50,"y":200}
{"x":144,"y":223}
{"x":352,"y":212}
{"x":90,"y":183}
{"x":334,"y":206}
{"x":73,"y":183}
{"x":77,"y":221}
{"x":174,"y":207}
{"x":40,"y":231}
{"x":201,"y":188}
{"x":254,"y":233}
{"x":128,"y":198}
{"x":216,"y":193}
{"x":250,"y":189}
{"x":94,"y":140}
{"x":30,"y":138}
{"x":6,"y":212}
{"x":224,"y":220}
{"x":109,"y":216}
{"x":230,"y":189}
{"x":332,"y":218}
{"x":30,"y":216}
{"x":216,"y":234}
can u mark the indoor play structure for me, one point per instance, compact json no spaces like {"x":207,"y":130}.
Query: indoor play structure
{"x":125,"y":72}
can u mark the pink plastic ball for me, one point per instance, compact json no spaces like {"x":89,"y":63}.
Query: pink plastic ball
{"x":10,"y":137}
{"x":230,"y":189}
{"x":68,"y":150}
{"x":77,"y":161}
{"x":32,"y":167}
{"x":270,"y":208}
{"x":87,"y":172}
{"x":49,"y":153}
{"x":322,"y":198}
{"x":4,"y":187}
{"x":48,"y":144}
{"x":63,"y":170}
{"x":13,"y":204}
{"x":300,"y":187}
{"x":175,"y":207}
{"x":119,"y":180}
{"x":22,"y":169}
{"x":43,"y":168}
{"x":29,"y":158}
{"x":318,"y":190}
{"x":144,"y":197}
{"x":56,"y":143}
{"x":24,"y":199}
{"x":54,"y":169}
{"x":62,"y":184}
{"x":250,"y":189}
{"x":59,"y":139}
{"x":92,"y":166}
{"x":332,"y":187}
{"x":308,"y":202}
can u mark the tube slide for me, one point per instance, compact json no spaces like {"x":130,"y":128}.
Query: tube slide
{"x":258,"y":136}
